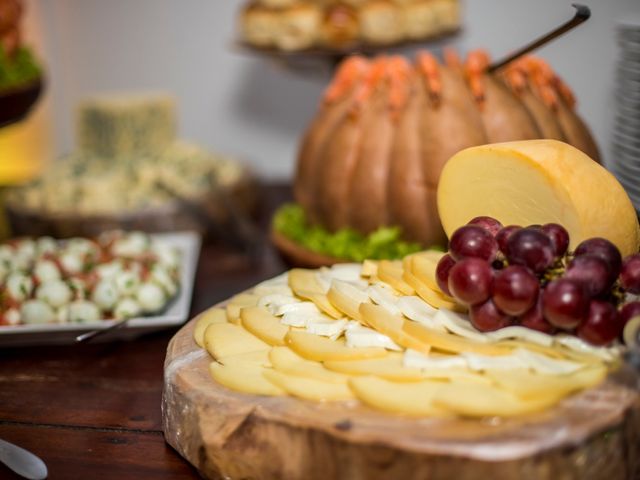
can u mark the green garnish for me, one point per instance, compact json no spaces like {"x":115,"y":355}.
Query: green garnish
{"x":384,"y":243}
{"x":18,"y":70}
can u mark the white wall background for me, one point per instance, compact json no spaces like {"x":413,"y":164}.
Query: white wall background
{"x":243,"y":105}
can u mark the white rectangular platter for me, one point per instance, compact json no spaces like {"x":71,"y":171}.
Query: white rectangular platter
{"x":176,"y":313}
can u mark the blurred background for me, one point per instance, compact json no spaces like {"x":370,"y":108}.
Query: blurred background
{"x":241,"y":104}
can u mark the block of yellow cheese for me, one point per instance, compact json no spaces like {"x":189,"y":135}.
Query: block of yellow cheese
{"x":537,"y":182}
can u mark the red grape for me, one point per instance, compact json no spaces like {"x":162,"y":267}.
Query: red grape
{"x":472,"y":241}
{"x":559,"y":237}
{"x":534,"y":319}
{"x":602,"y":324}
{"x":531,"y":248}
{"x":491,"y":225}
{"x":592,"y":272}
{"x":515,"y":290}
{"x":565,"y":303}
{"x":628,"y":311}
{"x":607,"y":251}
{"x":630,"y":274}
{"x":486,"y":317}
{"x":470,"y":281}
{"x":503,"y":235}
{"x":442,"y":273}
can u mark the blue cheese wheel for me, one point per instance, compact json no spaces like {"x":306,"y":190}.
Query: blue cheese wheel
{"x":117,"y":126}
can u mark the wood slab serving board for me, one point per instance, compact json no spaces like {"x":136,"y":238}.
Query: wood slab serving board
{"x":230,"y":435}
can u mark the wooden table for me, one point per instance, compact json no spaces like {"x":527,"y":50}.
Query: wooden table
{"x":93,"y":411}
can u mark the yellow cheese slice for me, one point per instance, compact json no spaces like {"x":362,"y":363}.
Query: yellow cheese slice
{"x":347,"y":298}
{"x":260,"y":322}
{"x":213,"y":315}
{"x":449,"y":342}
{"x":392,"y":326}
{"x":245,"y":378}
{"x":537,"y":182}
{"x":389,"y":367}
{"x":225,"y":339}
{"x":415,"y":398}
{"x":305,"y":285}
{"x":315,"y":347}
{"x":237,"y":303}
{"x":309,"y":388}
{"x":286,"y":361}
{"x":391,"y":272}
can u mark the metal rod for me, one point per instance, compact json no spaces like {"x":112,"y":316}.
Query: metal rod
{"x":582,"y":15}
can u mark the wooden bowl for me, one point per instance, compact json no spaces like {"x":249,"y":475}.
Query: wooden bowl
{"x":295,"y":255}
{"x":16,"y":102}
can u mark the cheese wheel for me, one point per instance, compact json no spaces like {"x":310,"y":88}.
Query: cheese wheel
{"x":537,"y":182}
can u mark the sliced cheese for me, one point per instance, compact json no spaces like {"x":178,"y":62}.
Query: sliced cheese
{"x":389,"y":367}
{"x":314,"y":347}
{"x":260,"y":322}
{"x":358,"y":336}
{"x":286,"y":361}
{"x":537,"y":182}
{"x":244,"y":377}
{"x":347,"y":298}
{"x":392,"y":326}
{"x":225,"y":339}
{"x":213,"y":315}
{"x":309,"y":388}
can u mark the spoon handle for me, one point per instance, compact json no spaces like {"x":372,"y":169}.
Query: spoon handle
{"x":582,"y":15}
{"x":22,"y":461}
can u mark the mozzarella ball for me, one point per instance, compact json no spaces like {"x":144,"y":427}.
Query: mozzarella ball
{"x":151,"y":297}
{"x":110,"y":269}
{"x":36,"y":311}
{"x":19,"y":286}
{"x":62,"y":314}
{"x":6,"y":252}
{"x":46,"y":245}
{"x":46,"y":270}
{"x":127,"y":282}
{"x":78,"y":287}
{"x":12,"y":316}
{"x":22,"y":262}
{"x":105,"y":294}
{"x":127,"y":308}
{"x":131,"y":245}
{"x":166,"y":254}
{"x":83,"y":311}
{"x":81,"y":246}
{"x":26,"y":248}
{"x":72,"y":262}
{"x":161,"y":276}
{"x":4,"y":271}
{"x":55,"y":292}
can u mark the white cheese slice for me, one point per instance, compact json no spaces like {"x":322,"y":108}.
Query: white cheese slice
{"x":350,"y":290}
{"x":279,"y":284}
{"x":384,"y":297}
{"x":543,"y":364}
{"x":348,"y":272}
{"x":301,"y":318}
{"x":326,"y":327}
{"x":576,"y":344}
{"x":479,"y":362}
{"x":276,"y":300}
{"x":416,"y":309}
{"x":460,"y":325}
{"x":298,"y":307}
{"x":521,"y":333}
{"x":360,"y":336}
{"x":415,"y":359}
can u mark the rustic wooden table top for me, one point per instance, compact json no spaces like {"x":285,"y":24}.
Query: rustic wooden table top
{"x":93,"y":411}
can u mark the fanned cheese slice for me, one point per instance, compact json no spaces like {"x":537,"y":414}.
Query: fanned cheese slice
{"x":244,"y":377}
{"x":537,"y":182}
{"x":308,"y":388}
{"x":213,"y":315}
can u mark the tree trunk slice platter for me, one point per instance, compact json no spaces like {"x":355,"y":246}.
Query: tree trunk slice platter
{"x":231,"y":435}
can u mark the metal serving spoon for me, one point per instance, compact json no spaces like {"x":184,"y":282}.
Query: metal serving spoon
{"x":22,"y":461}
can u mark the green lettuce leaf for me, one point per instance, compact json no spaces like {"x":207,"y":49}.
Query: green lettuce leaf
{"x":348,"y":244}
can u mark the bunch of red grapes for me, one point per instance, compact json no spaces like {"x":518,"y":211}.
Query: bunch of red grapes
{"x":526,"y":276}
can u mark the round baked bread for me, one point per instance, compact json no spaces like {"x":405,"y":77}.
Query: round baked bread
{"x":372,"y":156}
